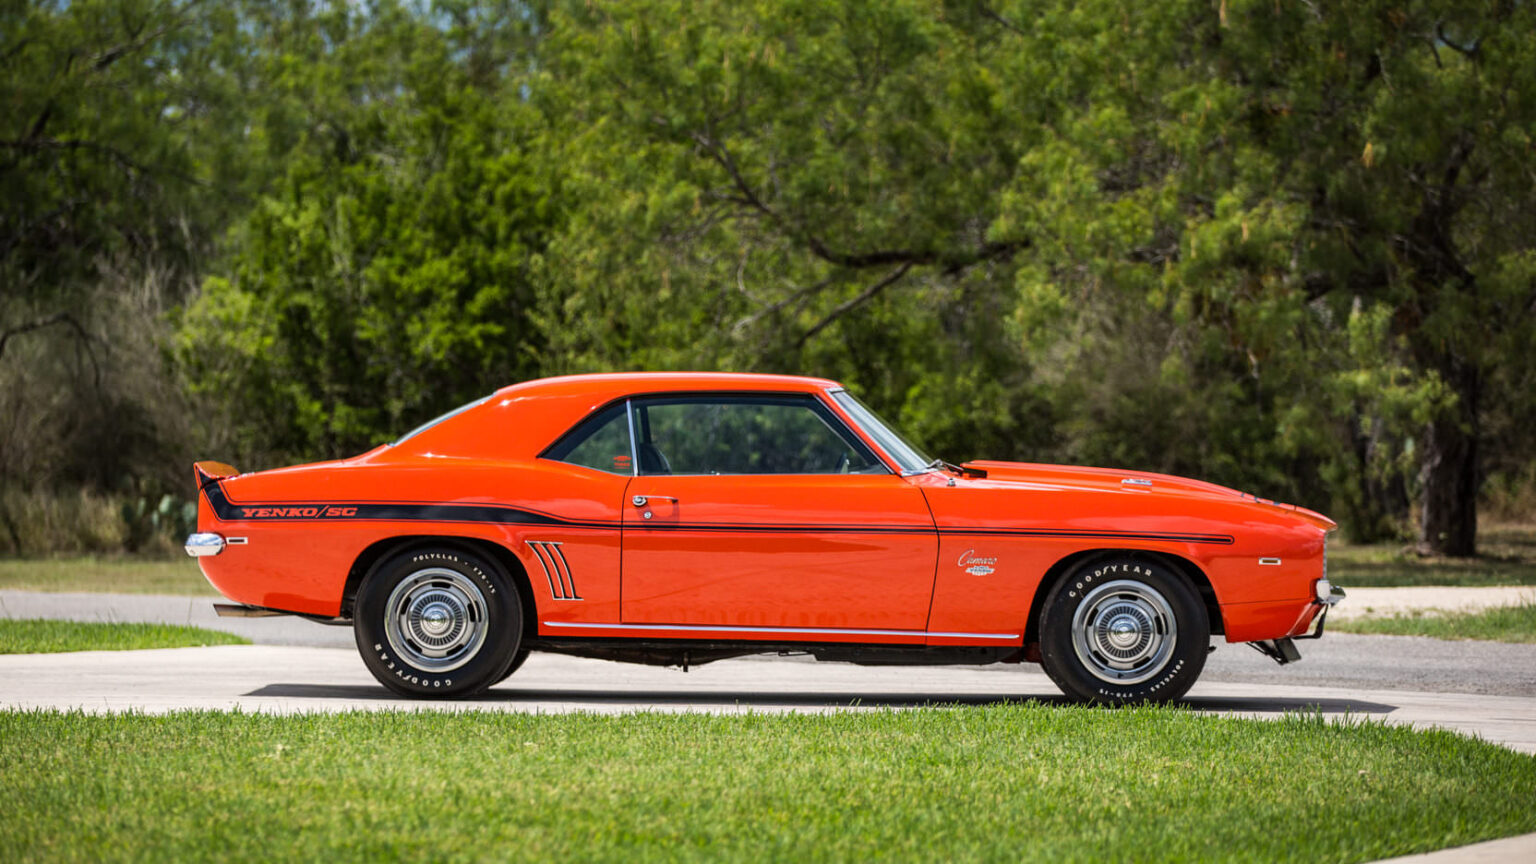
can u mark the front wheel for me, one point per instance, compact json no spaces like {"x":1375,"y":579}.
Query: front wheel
{"x":437,"y":622}
{"x":1124,"y":630}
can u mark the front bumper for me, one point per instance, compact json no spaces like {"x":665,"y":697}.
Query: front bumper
{"x":1284,"y":651}
{"x":1328,"y":596}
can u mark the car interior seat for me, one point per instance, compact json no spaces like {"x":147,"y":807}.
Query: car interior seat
{"x":652,"y":460}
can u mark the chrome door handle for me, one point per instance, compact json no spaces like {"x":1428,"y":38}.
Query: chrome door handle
{"x":641,"y":500}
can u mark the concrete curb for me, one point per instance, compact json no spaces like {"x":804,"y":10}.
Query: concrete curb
{"x":1510,"y":850}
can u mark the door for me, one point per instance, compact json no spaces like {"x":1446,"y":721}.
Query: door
{"x":765,"y":511}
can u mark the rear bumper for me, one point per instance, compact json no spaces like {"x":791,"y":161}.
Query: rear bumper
{"x":204,"y":544}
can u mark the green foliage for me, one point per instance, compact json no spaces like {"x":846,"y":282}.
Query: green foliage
{"x":1284,"y":247}
{"x":1508,"y":557}
{"x":171,"y":516}
{"x":1006,"y":781}
{"x":97,"y":139}
{"x":801,"y":187}
{"x":1268,"y":180}
{"x":40,"y":636}
{"x":387,"y":275}
{"x":103,"y":204}
{"x":43,"y":523}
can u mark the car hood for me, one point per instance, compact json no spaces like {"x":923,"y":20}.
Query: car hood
{"x":1120,"y":480}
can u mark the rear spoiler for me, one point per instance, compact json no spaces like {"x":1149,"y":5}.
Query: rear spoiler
{"x":209,"y":472}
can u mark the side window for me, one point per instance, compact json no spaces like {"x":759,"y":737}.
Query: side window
{"x":746,"y":435}
{"x":600,"y":442}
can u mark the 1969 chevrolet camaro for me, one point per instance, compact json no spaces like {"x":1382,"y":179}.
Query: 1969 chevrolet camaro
{"x":681,"y":518}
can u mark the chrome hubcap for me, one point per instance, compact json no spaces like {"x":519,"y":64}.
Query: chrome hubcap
{"x":1124,"y":632}
{"x":435,"y":619}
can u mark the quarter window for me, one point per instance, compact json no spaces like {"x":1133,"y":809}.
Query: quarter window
{"x":746,"y":435}
{"x":601,"y":442}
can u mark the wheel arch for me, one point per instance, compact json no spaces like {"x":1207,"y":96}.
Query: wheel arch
{"x":1178,"y":563}
{"x":378,"y":551}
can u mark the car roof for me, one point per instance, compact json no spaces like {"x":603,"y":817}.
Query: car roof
{"x":521,"y":420}
{"x":616,"y":384}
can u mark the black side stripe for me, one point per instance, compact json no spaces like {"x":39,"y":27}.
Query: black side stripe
{"x":780,"y":528}
{"x":227,"y":511}
{"x":1222,"y":539}
{"x":384,"y":512}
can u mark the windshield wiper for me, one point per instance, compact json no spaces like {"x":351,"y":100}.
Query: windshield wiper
{"x":940,"y":463}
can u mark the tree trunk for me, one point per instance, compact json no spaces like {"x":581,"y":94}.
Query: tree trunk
{"x":1379,"y":503}
{"x":1450,"y":469}
{"x":1449,"y":472}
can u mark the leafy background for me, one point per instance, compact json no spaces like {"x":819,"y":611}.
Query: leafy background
{"x":1285,"y":246}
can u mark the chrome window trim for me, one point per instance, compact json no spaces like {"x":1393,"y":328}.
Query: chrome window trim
{"x":441,"y":418}
{"x":634,"y":447}
{"x":849,"y":434}
{"x":869,"y":439}
{"x":595,"y":412}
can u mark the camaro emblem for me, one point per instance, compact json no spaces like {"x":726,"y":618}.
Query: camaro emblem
{"x":975,"y":564}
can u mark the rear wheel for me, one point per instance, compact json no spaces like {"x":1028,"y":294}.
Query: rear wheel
{"x":437,"y":622}
{"x":1124,"y":630}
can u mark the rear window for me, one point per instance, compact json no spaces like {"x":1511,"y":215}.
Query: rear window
{"x":436,"y":420}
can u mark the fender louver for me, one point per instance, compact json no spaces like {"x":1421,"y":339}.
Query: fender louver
{"x":557,"y":571}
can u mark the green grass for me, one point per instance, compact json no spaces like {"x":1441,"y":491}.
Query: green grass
{"x":1507,"y":556}
{"x":995,"y":782}
{"x":112,"y":575}
{"x":50,"y":637}
{"x":1499,"y":624}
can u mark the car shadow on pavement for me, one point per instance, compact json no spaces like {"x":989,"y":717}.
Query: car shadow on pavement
{"x":790,"y":699}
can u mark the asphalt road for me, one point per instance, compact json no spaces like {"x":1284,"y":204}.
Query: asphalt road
{"x":1338,"y":660}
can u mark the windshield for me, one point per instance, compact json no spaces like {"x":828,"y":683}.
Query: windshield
{"x":436,"y":420}
{"x":908,"y":457}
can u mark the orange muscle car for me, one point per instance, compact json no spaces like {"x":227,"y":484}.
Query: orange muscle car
{"x":677,"y":519}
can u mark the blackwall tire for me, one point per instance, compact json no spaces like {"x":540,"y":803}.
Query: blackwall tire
{"x":1124,"y":630}
{"x":438,"y":622}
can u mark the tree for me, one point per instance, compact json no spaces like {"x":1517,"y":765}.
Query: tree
{"x":104,"y":213}
{"x":1282,"y":170}
{"x":387,"y":276}
{"x":1326,"y":280}
{"x":804,"y":187}
{"x":1213,"y":238}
